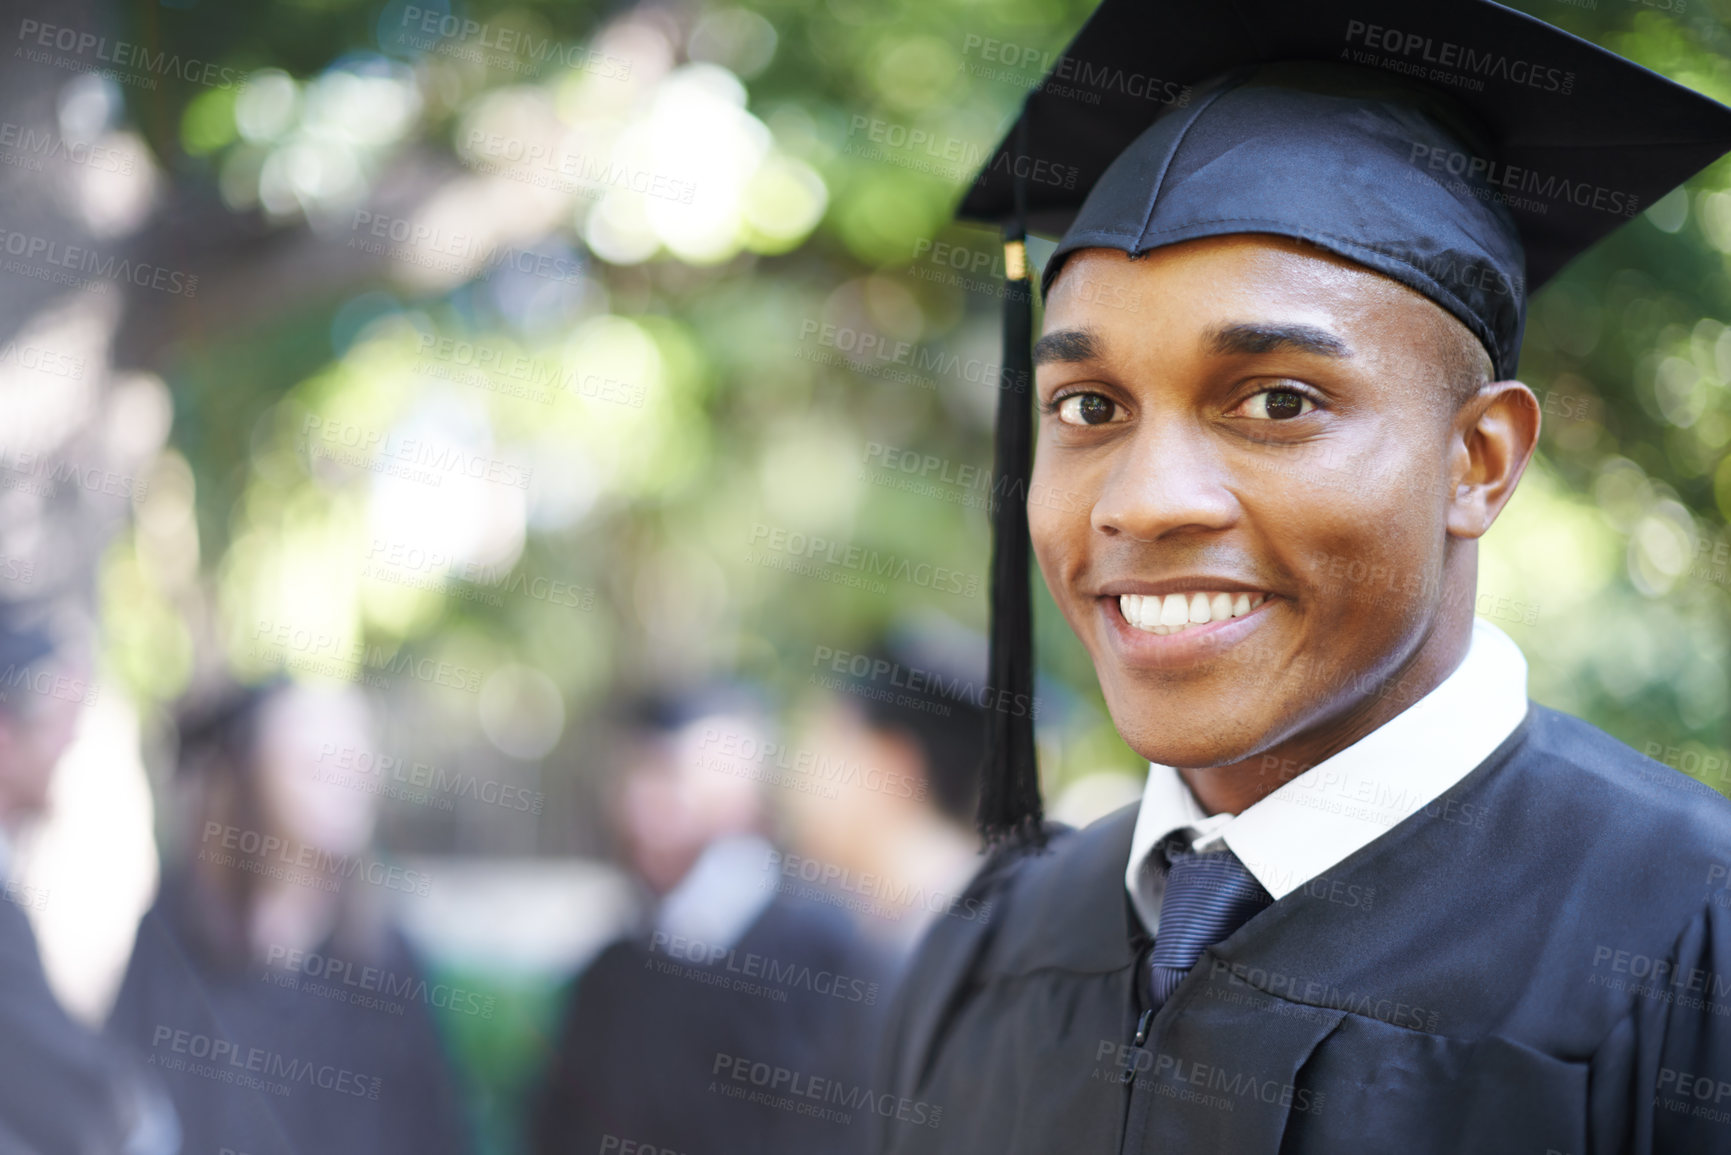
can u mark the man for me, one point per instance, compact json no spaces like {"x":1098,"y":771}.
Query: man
{"x":62,"y":1089}
{"x":1372,"y":899}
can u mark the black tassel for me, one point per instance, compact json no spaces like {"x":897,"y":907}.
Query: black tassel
{"x":1010,"y":808}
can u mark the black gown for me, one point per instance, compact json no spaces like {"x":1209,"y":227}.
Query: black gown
{"x":307,"y":1068}
{"x":1538,"y":961}
{"x":62,"y":1088}
{"x":766,"y":1051}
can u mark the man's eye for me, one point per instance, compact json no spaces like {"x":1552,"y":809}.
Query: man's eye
{"x":1086,"y":409}
{"x":1278,"y":405}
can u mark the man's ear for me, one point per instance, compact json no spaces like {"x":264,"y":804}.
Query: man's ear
{"x":1495,"y":433}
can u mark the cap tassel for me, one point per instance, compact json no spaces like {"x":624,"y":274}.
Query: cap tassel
{"x":1010,"y":809}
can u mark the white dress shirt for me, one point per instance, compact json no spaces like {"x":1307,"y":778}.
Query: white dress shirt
{"x":1345,"y":802}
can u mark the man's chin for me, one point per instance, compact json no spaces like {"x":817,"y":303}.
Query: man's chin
{"x":1214,"y":742}
{"x":1187,"y":756}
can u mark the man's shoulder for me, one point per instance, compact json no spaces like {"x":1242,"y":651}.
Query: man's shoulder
{"x":1583,"y":776}
{"x":1058,"y":908}
{"x":1058,"y":905}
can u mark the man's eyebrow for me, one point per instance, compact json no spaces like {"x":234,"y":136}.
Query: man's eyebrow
{"x":1068,"y":345}
{"x":1249,"y":338}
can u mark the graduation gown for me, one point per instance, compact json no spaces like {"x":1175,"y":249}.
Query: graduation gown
{"x":1538,"y":961}
{"x":333,"y":1076}
{"x":722,"y":1057}
{"x":63,"y":1091}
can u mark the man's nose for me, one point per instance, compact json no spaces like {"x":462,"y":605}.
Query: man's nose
{"x":1168,"y":478}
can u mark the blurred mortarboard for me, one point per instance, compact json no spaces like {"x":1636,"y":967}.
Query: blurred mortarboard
{"x":665,"y":710}
{"x":1462,"y":148}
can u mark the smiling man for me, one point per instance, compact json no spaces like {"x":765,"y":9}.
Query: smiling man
{"x":1372,"y":899}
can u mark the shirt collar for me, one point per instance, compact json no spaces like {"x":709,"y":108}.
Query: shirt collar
{"x":1345,"y":802}
{"x":721,"y":895}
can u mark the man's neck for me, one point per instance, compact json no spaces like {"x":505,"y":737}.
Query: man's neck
{"x":1234,"y":788}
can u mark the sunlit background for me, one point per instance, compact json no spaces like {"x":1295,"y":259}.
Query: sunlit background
{"x":494,"y":378}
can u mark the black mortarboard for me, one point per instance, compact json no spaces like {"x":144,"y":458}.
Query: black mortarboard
{"x":1464,"y":149}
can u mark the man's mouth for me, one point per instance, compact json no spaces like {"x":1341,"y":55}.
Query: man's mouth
{"x":1178,"y":612}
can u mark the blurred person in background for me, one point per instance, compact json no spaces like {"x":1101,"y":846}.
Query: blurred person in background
{"x":900,"y":732}
{"x":63,"y":1089}
{"x":267,"y":984}
{"x":730,"y":975}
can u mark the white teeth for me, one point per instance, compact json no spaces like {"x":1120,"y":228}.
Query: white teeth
{"x":1175,"y":613}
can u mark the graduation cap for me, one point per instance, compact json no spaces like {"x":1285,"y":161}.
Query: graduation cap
{"x":1462,"y":148}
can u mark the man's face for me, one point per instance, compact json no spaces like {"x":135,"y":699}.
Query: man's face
{"x":1262,"y":431}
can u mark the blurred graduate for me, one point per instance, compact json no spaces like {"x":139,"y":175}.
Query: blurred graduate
{"x":1373,"y":898}
{"x":735,"y":970}
{"x":63,"y":1088}
{"x":278,"y":966}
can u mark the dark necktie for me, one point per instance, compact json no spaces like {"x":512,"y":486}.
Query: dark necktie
{"x":1208,"y":896}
